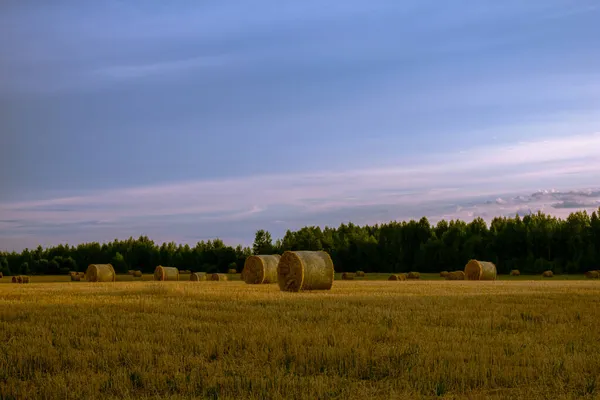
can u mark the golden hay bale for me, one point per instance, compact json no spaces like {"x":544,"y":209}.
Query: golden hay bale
{"x":100,"y":273}
{"x":548,"y":274}
{"x":198,"y":276}
{"x":348,"y":276}
{"x":397,"y":277}
{"x":232,"y":271}
{"x":444,"y":274}
{"x":75,"y":278}
{"x":261,"y":269}
{"x":24,"y":279}
{"x":71,"y":273}
{"x":515,"y":272}
{"x":166,"y":273}
{"x":480,"y":271}
{"x":360,"y":274}
{"x":305,"y":270}
{"x":137,"y":274}
{"x":413,"y":275}
{"x":592,"y":274}
{"x":14,"y":279}
{"x":218,"y":277}
{"x":455,"y":276}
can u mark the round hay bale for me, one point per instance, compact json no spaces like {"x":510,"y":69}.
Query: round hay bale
{"x":81,"y":275}
{"x":261,"y":269}
{"x":166,"y":273}
{"x":397,"y":277}
{"x":548,"y":274}
{"x":75,"y":278}
{"x":360,"y":274}
{"x":198,"y":276}
{"x":218,"y":277}
{"x":24,"y":279}
{"x":413,"y":275}
{"x":101,"y":273}
{"x":14,"y":279}
{"x":232,"y":271}
{"x":71,"y":273}
{"x":348,"y":276}
{"x":515,"y":272}
{"x":137,"y":274}
{"x":305,"y":270}
{"x":444,"y":274}
{"x":480,"y":271}
{"x":592,"y":274}
{"x":455,"y":276}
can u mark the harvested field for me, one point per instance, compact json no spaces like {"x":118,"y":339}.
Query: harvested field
{"x":502,"y":339}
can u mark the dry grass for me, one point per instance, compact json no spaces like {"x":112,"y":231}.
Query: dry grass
{"x":528,"y":340}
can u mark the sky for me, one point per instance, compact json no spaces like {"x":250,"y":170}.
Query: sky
{"x":191,"y":120}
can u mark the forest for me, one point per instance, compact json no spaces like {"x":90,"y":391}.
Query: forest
{"x":532,"y":243}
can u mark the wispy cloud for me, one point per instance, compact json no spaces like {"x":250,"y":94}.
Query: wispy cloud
{"x":157,"y":68}
{"x":450,"y":185}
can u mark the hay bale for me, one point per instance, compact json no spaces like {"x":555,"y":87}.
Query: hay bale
{"x":81,"y":275}
{"x":24,"y":279}
{"x":360,"y":274}
{"x":198,"y":276}
{"x":166,"y":273}
{"x":348,"y":276}
{"x":480,"y":271}
{"x":218,"y":277}
{"x":515,"y":272}
{"x":261,"y":269}
{"x":413,"y":275}
{"x":397,"y":277}
{"x":444,"y":274}
{"x":14,"y":279}
{"x":100,"y":273}
{"x":71,"y":273}
{"x":455,"y":276}
{"x":75,"y":278}
{"x":305,"y":270}
{"x":592,"y":274}
{"x":137,"y":274}
{"x":232,"y":271}
{"x":547,"y":274}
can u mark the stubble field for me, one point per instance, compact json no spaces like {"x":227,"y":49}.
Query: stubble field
{"x":362,"y":339}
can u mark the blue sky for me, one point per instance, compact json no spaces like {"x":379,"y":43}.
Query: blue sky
{"x":190,"y":120}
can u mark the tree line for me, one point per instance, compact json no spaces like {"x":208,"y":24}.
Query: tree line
{"x":532,"y":243}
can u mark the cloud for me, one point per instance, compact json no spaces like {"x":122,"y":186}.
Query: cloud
{"x":486,"y":182}
{"x":156,"y":68}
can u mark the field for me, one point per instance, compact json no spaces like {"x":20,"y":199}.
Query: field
{"x":528,"y":339}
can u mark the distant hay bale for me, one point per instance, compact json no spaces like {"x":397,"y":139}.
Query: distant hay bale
{"x":100,"y":273}
{"x":14,"y":279}
{"x":515,"y":272}
{"x":413,"y":275}
{"x":198,"y":276}
{"x":548,"y":274}
{"x":71,"y":273}
{"x":261,"y":269}
{"x":444,"y":274}
{"x":348,"y":276}
{"x":75,"y":278}
{"x":218,"y":277}
{"x":24,"y":279}
{"x":397,"y":277}
{"x":455,"y":276}
{"x":592,"y":274}
{"x":360,"y":274}
{"x":137,"y":274}
{"x":166,"y":273}
{"x":232,"y":271}
{"x":480,"y":271}
{"x":305,"y":270}
{"x":81,"y":275}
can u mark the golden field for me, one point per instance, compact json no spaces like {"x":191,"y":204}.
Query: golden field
{"x":362,"y":339}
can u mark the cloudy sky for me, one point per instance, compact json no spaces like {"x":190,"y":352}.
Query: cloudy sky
{"x":190,"y":120}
